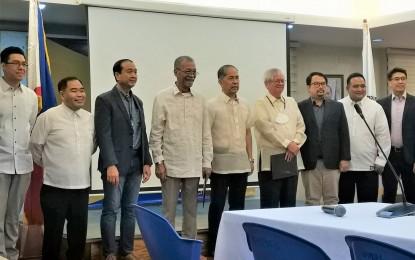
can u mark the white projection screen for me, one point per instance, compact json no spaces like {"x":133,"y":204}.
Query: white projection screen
{"x":154,"y":40}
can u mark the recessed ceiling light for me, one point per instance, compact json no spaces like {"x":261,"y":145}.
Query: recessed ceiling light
{"x":290,"y":26}
{"x":377,"y":40}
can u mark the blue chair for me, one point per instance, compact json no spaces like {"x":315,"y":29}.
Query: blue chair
{"x":271,"y":243}
{"x":162,"y":241}
{"x":366,"y":248}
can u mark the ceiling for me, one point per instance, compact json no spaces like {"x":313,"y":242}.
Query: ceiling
{"x":401,"y":35}
{"x":66,"y":24}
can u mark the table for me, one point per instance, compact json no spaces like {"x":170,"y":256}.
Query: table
{"x":311,"y":223}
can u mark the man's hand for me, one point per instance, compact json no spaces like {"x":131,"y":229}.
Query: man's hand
{"x":206,"y":171}
{"x":113,"y":175}
{"x":161,"y":172}
{"x":344,"y":166}
{"x":146,"y":173}
{"x":289,"y":156}
{"x":379,"y":169}
{"x":293,"y":148}
{"x":252,"y":163}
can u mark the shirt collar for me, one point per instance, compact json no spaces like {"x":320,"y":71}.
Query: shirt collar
{"x":273,"y":99}
{"x":394,"y":96}
{"x":69,"y":111}
{"x":122,"y":92}
{"x":176,"y":91}
{"x":5,"y":86}
{"x":314,"y":102}
{"x":225,"y":98}
{"x":360,"y":103}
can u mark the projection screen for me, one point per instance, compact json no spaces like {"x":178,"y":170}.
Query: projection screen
{"x":154,"y":40}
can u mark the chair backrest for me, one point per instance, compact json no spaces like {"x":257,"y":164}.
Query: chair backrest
{"x":271,"y":243}
{"x":367,"y":248}
{"x":162,"y":241}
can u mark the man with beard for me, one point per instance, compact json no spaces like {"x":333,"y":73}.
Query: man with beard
{"x":326,"y":152}
{"x":181,"y":143}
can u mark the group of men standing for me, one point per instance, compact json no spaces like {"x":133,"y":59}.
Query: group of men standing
{"x":192,"y":138}
{"x":341,"y":156}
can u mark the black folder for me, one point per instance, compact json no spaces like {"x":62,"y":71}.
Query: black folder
{"x":280,"y":168}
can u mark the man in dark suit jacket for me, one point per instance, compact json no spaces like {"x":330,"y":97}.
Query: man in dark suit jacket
{"x":327,"y":148}
{"x":399,"y":108}
{"x":124,"y":158}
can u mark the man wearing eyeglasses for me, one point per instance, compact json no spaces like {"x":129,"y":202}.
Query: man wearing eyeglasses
{"x":326,"y":152}
{"x":181,"y":143}
{"x":18,"y":110}
{"x":399,"y":108}
{"x":279,"y":129}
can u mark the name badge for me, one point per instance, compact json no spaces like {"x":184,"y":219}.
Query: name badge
{"x":281,"y":118}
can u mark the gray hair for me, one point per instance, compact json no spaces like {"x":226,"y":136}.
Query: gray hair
{"x":269,"y":73}
{"x":180,"y":59}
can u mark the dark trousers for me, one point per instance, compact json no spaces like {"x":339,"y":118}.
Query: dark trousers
{"x":390,"y":184}
{"x":219,"y":184}
{"x":60,"y":204}
{"x":277,"y":193}
{"x":366,"y":183}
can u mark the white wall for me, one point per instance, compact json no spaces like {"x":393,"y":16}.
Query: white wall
{"x":335,"y":60}
{"x":158,"y":39}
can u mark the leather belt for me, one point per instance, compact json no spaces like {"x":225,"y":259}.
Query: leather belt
{"x":397,"y":149}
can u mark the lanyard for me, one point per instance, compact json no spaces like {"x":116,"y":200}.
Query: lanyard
{"x":282,"y":99}
{"x":130,"y":106}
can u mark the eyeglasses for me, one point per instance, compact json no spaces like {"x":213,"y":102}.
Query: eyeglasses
{"x":398,"y":79}
{"x":189,"y":72}
{"x":318,"y":84}
{"x":279,"y":81}
{"x":17,"y":64}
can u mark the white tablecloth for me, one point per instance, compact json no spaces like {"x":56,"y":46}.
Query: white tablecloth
{"x":311,"y":223}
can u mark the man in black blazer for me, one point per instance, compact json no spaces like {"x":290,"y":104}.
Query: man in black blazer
{"x":124,"y":158}
{"x":327,"y":148}
{"x":399,"y":108}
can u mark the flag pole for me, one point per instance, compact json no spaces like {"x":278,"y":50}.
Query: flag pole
{"x":367,"y":60}
{"x":39,"y":80}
